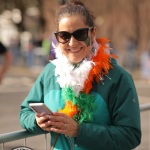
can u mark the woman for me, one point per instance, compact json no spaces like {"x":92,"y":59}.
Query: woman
{"x":94,"y":101}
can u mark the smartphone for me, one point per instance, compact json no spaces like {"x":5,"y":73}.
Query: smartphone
{"x":40,"y":108}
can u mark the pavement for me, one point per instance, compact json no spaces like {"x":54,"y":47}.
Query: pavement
{"x":25,"y":71}
{"x":13,"y":90}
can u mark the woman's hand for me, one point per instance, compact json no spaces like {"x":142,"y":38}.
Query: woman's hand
{"x":59,"y":123}
{"x":43,"y":121}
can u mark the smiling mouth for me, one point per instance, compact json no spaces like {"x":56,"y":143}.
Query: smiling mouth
{"x":75,"y":51}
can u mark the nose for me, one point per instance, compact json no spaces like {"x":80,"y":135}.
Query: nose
{"x":72,"y":41}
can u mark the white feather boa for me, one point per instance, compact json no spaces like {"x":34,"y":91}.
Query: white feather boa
{"x":67,"y":76}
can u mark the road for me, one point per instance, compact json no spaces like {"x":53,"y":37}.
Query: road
{"x":15,"y":88}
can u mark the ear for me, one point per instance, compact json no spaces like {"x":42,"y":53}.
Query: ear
{"x":94,"y":31}
{"x":93,"y":35}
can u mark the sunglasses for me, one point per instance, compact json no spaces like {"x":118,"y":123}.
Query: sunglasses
{"x":80,"y":35}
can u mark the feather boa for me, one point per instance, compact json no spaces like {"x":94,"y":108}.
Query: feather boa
{"x":76,"y":83}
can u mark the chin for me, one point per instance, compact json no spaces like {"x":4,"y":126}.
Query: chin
{"x":75,"y":60}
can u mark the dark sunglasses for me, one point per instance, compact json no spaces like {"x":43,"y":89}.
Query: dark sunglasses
{"x":80,"y":35}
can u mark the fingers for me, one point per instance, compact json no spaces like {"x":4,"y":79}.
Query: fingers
{"x":59,"y":123}
{"x":59,"y":117}
{"x":47,"y":122}
{"x":65,"y":126}
{"x":59,"y":127}
{"x":68,"y":129}
{"x":42,"y":121}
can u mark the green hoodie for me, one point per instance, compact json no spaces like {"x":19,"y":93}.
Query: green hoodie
{"x":116,"y":124}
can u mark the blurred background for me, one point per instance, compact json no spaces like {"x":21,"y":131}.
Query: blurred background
{"x":26,"y":29}
{"x":26,"y":26}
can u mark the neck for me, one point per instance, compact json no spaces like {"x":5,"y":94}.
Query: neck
{"x":76,"y":65}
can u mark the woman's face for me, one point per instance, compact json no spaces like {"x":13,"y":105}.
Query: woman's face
{"x":75,"y":50}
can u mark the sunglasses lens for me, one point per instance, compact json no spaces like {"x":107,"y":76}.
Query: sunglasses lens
{"x":63,"y":36}
{"x":81,"y":34}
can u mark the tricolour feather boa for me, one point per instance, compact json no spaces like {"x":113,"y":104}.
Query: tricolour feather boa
{"x":76,"y":83}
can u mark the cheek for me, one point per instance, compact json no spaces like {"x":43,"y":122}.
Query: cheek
{"x":62,"y":47}
{"x":87,"y":41}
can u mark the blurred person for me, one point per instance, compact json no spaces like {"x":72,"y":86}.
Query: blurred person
{"x":130,"y":58}
{"x":94,"y":101}
{"x":27,"y":47}
{"x":16,"y":51}
{"x":145,"y":65}
{"x":7,"y":59}
{"x":53,"y":46}
{"x":46,"y":48}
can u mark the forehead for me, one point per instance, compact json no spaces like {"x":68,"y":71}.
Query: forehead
{"x":70,"y":23}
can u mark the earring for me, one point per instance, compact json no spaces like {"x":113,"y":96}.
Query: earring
{"x":93,"y":49}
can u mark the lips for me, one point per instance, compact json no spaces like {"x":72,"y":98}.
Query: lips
{"x":75,"y":50}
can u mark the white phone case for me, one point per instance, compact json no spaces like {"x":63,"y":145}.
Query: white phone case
{"x":40,"y":108}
